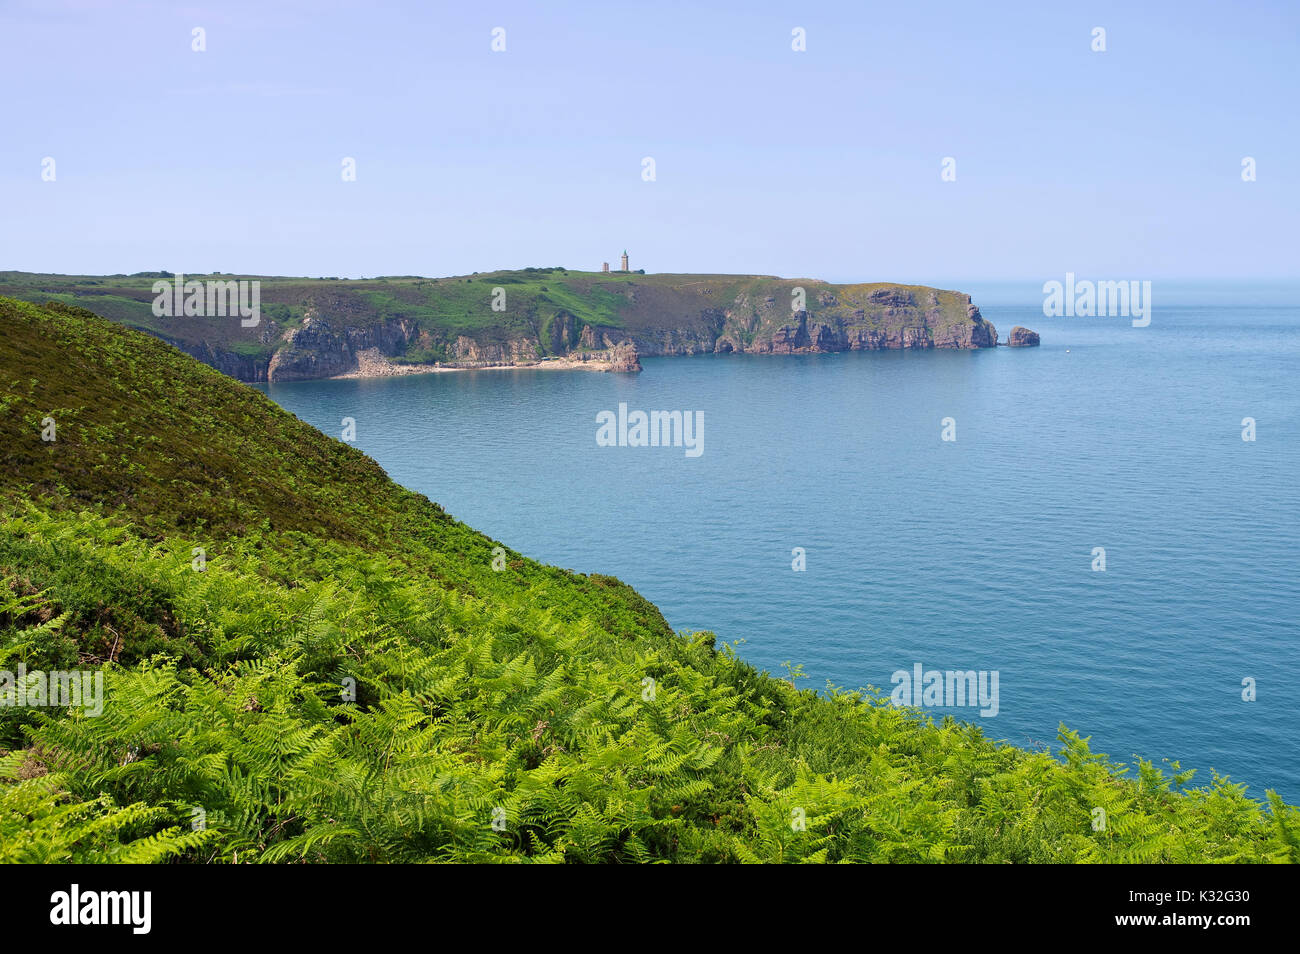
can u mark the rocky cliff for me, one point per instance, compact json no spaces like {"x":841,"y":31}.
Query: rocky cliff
{"x":317,"y":328}
{"x":1021,"y":337}
{"x":324,"y":347}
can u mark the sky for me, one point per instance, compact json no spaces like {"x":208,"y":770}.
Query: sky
{"x":822,"y":163}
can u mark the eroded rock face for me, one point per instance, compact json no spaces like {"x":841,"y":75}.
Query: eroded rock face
{"x":467,"y":352}
{"x":624,"y":358}
{"x":1022,"y":338}
{"x":683,"y":318}
{"x":903,"y":326}
{"x":316,"y":349}
{"x":977,"y":333}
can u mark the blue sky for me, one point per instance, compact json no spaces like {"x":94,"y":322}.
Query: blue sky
{"x":825,"y":163}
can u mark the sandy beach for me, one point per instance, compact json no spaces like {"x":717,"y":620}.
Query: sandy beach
{"x":373,"y":364}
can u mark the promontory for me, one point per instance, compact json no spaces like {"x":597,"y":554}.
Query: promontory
{"x":533,"y":317}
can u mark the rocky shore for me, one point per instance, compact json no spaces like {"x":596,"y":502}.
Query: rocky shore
{"x":665,"y":319}
{"x":543,"y":318}
{"x":373,"y":363}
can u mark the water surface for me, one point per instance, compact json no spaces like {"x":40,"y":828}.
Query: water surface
{"x":973,"y":554}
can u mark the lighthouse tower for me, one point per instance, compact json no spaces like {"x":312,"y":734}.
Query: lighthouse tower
{"x":625,"y":268}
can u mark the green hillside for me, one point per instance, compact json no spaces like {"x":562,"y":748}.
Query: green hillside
{"x":341,"y":674}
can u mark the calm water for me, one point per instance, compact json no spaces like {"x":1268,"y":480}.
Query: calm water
{"x":974,"y":554}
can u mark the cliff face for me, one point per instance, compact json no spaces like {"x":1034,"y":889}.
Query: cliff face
{"x":791,"y":317}
{"x":469,"y":352}
{"x":316,"y":328}
{"x":855,"y":332}
{"x":322,"y":348}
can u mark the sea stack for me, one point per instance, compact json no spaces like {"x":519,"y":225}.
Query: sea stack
{"x":623,"y":357}
{"x":1022,"y":338}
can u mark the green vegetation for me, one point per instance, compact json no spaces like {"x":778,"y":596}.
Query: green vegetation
{"x":546,"y":311}
{"x":444,"y":307}
{"x":522,"y":695}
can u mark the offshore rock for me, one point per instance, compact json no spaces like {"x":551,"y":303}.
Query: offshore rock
{"x":1022,"y":338}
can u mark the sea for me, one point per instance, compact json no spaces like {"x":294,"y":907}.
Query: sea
{"x":1104,"y":529}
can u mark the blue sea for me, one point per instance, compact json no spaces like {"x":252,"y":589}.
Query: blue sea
{"x":971,"y":554}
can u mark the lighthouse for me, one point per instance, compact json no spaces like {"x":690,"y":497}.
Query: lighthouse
{"x":625,"y":268}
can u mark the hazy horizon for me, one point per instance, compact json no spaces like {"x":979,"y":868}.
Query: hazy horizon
{"x":823,"y":163}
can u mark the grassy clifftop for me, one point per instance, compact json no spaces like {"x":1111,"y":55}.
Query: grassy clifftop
{"x":316,"y":327}
{"x":305,"y":661}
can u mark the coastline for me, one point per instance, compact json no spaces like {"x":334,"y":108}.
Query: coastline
{"x":371,"y":363}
